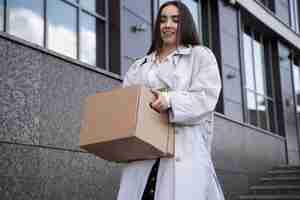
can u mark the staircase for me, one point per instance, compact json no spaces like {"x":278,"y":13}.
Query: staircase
{"x":280,"y":183}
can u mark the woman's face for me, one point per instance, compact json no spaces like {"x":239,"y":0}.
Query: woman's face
{"x":168,"y":25}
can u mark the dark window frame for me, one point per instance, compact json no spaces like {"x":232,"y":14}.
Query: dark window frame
{"x":79,"y":8}
{"x":296,"y":59}
{"x":294,"y":16}
{"x":268,"y":61}
{"x":269,"y":4}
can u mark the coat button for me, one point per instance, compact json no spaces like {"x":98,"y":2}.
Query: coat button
{"x":177,"y":159}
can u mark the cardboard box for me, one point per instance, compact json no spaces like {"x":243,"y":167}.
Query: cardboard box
{"x":120,"y":125}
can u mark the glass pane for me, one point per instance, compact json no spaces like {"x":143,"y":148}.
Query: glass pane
{"x":269,"y":78}
{"x":1,"y":15}
{"x":62,"y":28}
{"x":259,"y":67}
{"x":296,"y":10}
{"x":271,"y":115}
{"x":94,"y":6}
{"x":193,"y":7}
{"x":25,"y":20}
{"x":292,"y":14}
{"x":251,"y":108}
{"x":92,"y":40}
{"x":204,"y":20}
{"x":296,"y":73}
{"x":262,"y":111}
{"x":248,"y":57}
{"x":161,"y":2}
{"x":284,"y":56}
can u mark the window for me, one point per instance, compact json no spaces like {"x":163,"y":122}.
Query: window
{"x":161,"y":2}
{"x":87,"y":30}
{"x":91,"y":44}
{"x":62,"y":28}
{"x":258,"y":89}
{"x":268,"y":3}
{"x":296,"y":77}
{"x":94,"y":6}
{"x":25,"y":20}
{"x":193,"y":7}
{"x":1,"y":15}
{"x":294,"y":15}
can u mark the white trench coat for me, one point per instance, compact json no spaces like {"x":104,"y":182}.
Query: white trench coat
{"x":192,"y":75}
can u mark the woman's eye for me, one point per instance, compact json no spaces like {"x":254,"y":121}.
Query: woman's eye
{"x":162,"y":20}
{"x":175,"y":19}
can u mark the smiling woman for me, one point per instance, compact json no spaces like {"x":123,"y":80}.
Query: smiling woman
{"x":184,"y":78}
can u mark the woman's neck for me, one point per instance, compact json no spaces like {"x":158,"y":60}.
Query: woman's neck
{"x":166,"y":50}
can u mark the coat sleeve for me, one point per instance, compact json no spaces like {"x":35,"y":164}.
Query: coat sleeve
{"x":131,"y":76}
{"x":189,"y":107}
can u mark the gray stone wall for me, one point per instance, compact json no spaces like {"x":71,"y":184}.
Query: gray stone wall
{"x":242,"y":154}
{"x":40,"y":113}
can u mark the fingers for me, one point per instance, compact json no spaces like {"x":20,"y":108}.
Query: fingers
{"x":156,"y":105}
{"x":155,"y":92}
{"x":159,"y":104}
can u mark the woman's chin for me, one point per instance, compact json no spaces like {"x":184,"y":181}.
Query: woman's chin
{"x":169,"y":42}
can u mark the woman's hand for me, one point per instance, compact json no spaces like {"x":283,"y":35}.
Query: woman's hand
{"x":160,"y":103}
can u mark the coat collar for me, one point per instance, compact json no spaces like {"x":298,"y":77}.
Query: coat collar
{"x":166,"y":74}
{"x":181,"y":50}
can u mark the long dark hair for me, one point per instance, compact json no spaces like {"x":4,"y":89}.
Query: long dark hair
{"x":186,"y":31}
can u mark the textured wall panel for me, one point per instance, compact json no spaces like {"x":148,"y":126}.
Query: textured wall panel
{"x":40,"y":114}
{"x":29,"y":172}
{"x":19,"y":89}
{"x":245,"y":153}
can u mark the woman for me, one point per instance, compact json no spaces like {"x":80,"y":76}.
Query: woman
{"x":189,"y":76}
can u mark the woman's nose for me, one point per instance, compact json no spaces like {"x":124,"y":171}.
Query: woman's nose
{"x":169,"y":23}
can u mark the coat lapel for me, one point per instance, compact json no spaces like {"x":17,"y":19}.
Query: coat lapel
{"x":170,"y":75}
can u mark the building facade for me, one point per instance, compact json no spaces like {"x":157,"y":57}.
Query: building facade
{"x":53,"y":53}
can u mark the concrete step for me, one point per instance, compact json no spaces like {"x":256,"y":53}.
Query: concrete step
{"x":284,"y":172}
{"x":271,"y":197}
{"x":275,"y":189}
{"x":281,"y":180}
{"x":286,"y":167}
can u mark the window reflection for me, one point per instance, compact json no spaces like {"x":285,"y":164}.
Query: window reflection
{"x":92,"y":46}
{"x":248,"y":62}
{"x":25,"y":19}
{"x":294,"y":15}
{"x":261,"y":109}
{"x":161,"y":2}
{"x":296,"y":73}
{"x":1,"y":15}
{"x":251,"y":108}
{"x":62,"y":27}
{"x":94,"y":6}
{"x":259,"y":67}
{"x":193,"y":7}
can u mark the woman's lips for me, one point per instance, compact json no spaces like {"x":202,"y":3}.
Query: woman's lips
{"x":168,"y":33}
